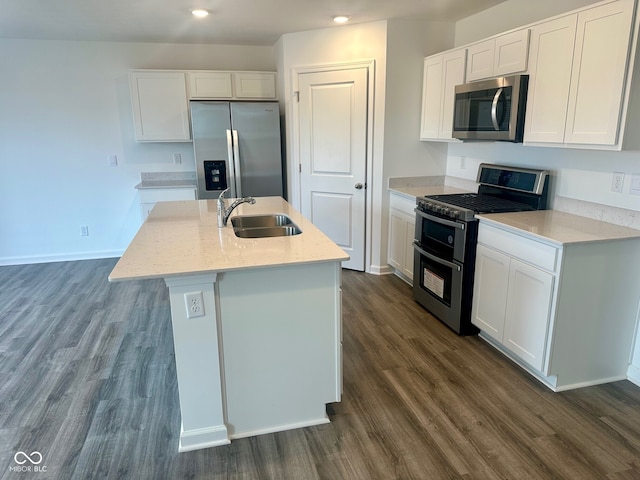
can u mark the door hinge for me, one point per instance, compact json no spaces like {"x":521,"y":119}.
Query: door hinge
{"x":297,"y":95}
{"x":299,"y":168}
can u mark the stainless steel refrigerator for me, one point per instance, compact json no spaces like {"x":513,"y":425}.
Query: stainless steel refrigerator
{"x":237,"y":146}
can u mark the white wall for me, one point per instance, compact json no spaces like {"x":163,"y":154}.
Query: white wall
{"x":348,"y":43}
{"x":64,"y":108}
{"x":398,"y":49}
{"x":510,"y":14}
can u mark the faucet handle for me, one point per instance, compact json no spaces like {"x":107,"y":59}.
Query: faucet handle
{"x":221,"y":196}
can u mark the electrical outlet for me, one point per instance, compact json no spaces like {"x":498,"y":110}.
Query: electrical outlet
{"x":177,"y":159}
{"x":195,"y":304}
{"x":84,"y":230}
{"x":617,"y":182}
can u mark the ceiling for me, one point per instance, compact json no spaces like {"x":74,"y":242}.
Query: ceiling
{"x":232,"y":22}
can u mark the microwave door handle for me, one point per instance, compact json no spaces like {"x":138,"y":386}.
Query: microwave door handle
{"x":494,"y":109}
{"x":434,"y":258}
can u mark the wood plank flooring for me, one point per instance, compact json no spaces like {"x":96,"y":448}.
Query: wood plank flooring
{"x":87,"y":379}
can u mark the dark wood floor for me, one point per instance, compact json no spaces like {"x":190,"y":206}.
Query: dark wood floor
{"x":88,"y":380}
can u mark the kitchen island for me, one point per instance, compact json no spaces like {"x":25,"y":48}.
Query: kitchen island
{"x":256,"y":321}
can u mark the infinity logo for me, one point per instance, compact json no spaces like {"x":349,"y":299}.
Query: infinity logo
{"x":35,"y":458}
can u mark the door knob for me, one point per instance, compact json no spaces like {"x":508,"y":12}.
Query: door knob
{"x":359,"y":186}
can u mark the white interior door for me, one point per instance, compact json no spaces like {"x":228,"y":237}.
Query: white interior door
{"x":333,"y":156}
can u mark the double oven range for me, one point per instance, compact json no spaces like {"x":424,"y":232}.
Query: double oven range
{"x":447,"y":232}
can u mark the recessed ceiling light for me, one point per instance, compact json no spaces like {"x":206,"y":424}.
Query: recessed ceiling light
{"x":341,"y":19}
{"x":200,"y":13}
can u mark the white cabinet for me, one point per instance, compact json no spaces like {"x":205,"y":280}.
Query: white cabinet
{"x":503,"y":55}
{"x":254,"y":85}
{"x":401,"y":234}
{"x":579,"y":74}
{"x":150,"y":196}
{"x":160,"y":107}
{"x":206,"y":85}
{"x":160,"y":98}
{"x":441,"y":74}
{"x":567,"y":313}
{"x":512,"y":303}
{"x":211,"y":85}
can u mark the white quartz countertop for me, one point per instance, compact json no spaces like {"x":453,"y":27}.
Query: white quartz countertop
{"x":180,"y":238}
{"x":413,"y":193}
{"x":559,"y":228}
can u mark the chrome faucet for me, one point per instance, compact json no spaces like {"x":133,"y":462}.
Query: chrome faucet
{"x":224,"y":212}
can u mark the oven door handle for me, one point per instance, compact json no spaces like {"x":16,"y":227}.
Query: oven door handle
{"x":431,"y":218}
{"x":416,"y":246}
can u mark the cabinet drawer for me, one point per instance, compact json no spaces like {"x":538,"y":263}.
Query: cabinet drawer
{"x":166,"y":194}
{"x":402,"y":204}
{"x":528,"y":250}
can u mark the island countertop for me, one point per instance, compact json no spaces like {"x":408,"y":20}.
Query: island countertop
{"x":181,"y":238}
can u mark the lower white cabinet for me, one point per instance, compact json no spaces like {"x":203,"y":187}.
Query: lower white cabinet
{"x":150,"y":196}
{"x":513,"y":303}
{"x":566,"y":313}
{"x":401,"y":234}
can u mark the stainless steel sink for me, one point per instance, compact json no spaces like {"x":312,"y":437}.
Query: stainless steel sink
{"x":260,"y":221}
{"x":262,"y":232}
{"x":261,"y":226}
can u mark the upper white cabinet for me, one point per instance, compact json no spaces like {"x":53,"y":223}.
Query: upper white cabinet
{"x":160,"y":107}
{"x":207,"y":85}
{"x":503,"y":55}
{"x":442,"y":73}
{"x":254,"y":85}
{"x":578,"y":77}
{"x":160,"y":98}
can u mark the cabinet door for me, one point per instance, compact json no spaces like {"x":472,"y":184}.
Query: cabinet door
{"x":599,"y":72}
{"x":511,"y":52}
{"x":480,"y":60}
{"x":254,"y":85}
{"x":407,"y":264}
{"x":431,"y":97}
{"x":490,"y":291}
{"x":208,"y":85}
{"x":453,"y":65}
{"x":397,"y":239}
{"x":160,"y":106}
{"x":550,"y":60}
{"x":528,"y":312}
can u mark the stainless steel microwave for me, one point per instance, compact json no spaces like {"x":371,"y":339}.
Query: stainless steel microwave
{"x":491,"y":109}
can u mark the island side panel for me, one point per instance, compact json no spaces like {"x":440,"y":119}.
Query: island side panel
{"x":281,"y":346}
{"x":198,"y":364}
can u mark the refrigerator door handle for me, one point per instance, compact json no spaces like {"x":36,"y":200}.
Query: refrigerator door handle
{"x":236,"y":164}
{"x":231,"y":164}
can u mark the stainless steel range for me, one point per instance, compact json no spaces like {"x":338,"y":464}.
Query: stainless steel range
{"x":446,"y":236}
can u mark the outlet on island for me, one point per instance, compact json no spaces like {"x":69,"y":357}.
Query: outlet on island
{"x":195,"y":304}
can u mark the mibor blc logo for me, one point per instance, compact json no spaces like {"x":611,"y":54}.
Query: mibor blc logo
{"x":26,"y":462}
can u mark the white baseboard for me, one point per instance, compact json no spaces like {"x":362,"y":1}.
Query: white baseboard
{"x":60,"y":257}
{"x":281,"y":428}
{"x":200,"y":438}
{"x":380,"y":270}
{"x":633,"y":374}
